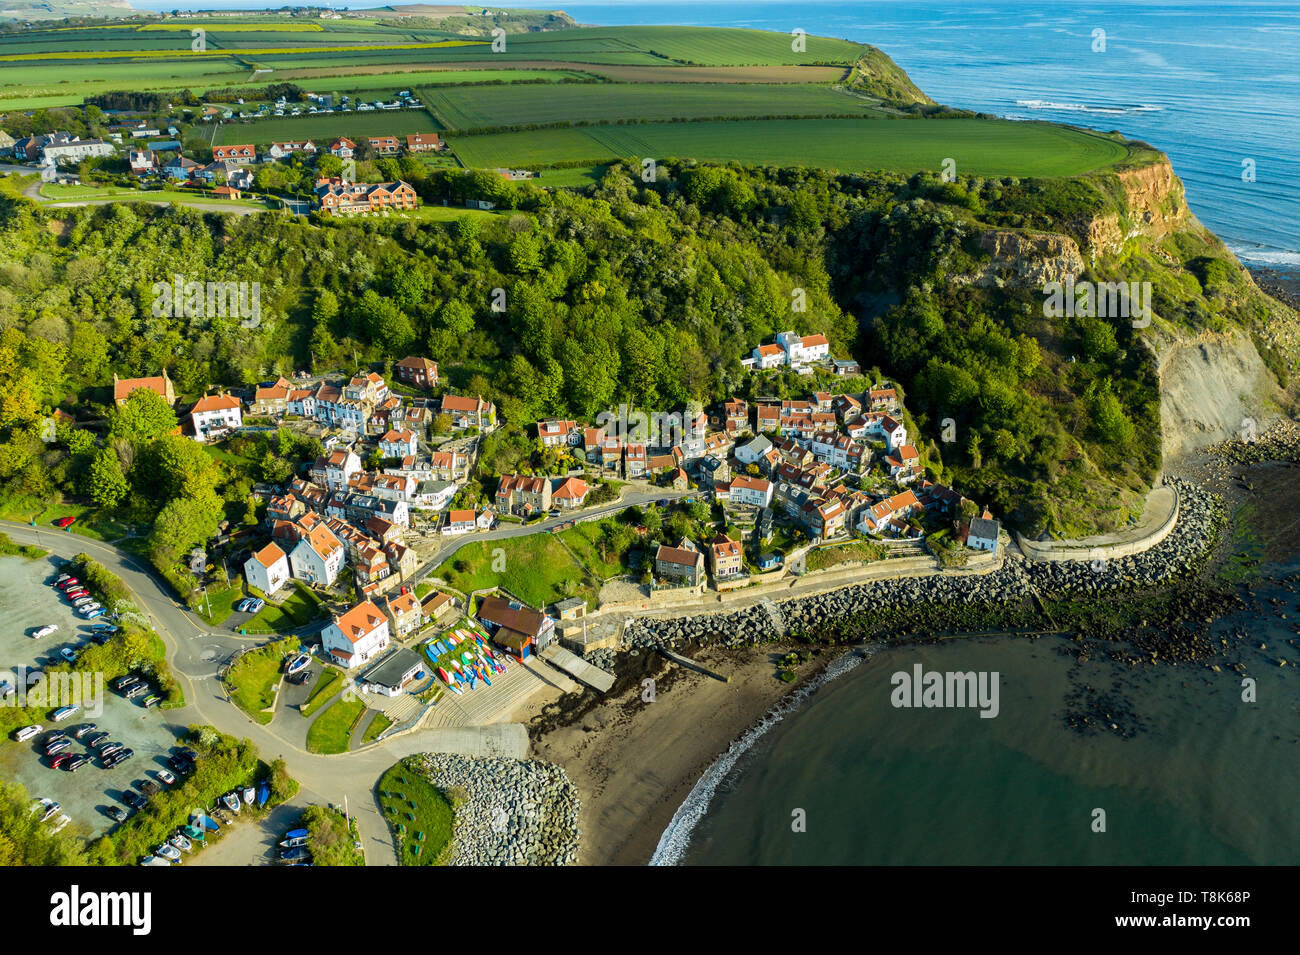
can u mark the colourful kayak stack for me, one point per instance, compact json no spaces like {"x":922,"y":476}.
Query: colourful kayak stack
{"x":472,"y":659}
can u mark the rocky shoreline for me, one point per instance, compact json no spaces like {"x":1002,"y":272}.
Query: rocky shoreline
{"x":514,"y":812}
{"x":1019,"y":582}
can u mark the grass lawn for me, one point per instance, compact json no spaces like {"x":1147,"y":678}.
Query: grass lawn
{"x":538,"y":569}
{"x":575,"y":177}
{"x":254,"y":677}
{"x":332,"y":730}
{"x":377,"y":726}
{"x":89,"y":523}
{"x":295,"y":610}
{"x":53,"y":192}
{"x":222,"y":602}
{"x":982,"y":146}
{"x":584,"y":540}
{"x":445,"y":213}
{"x":328,"y":685}
{"x":414,"y":807}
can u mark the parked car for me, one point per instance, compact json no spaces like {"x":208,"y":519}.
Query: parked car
{"x":75,"y":763}
{"x":108,"y":749}
{"x":65,"y":521}
{"x":153,"y":699}
{"x":58,"y":746}
{"x":76,"y":593}
{"x":68,"y":654}
{"x":165,"y":776}
{"x":149,"y":787}
{"x":100,"y":637}
{"x":84,"y":730}
{"x":59,"y":761}
{"x":134,"y":799}
{"x":255,"y":604}
{"x":83,"y":601}
{"x":118,"y":813}
{"x":61,"y":578}
{"x":98,"y":739}
{"x":27,"y":732}
{"x":71,"y":583}
{"x":137,"y":690}
{"x":104,"y":627}
{"x":63,"y":712}
{"x":125,"y":682}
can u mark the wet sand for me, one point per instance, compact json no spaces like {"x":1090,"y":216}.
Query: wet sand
{"x":634,"y":762}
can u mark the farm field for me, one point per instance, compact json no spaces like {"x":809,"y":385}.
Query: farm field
{"x":394,"y":122}
{"x":479,"y":106}
{"x":981,"y":147}
{"x":350,"y":83}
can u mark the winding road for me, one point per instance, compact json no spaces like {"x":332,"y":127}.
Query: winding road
{"x":196,"y":651}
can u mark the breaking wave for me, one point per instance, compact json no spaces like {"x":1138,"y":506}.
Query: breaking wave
{"x":676,"y":839}
{"x":1085,"y":108}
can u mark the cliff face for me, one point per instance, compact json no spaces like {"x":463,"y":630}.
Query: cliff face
{"x":1212,"y":382}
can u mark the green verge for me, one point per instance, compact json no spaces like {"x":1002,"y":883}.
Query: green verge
{"x":414,"y":807}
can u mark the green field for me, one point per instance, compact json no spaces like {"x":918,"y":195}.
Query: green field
{"x":480,"y":106}
{"x":252,"y":681}
{"x":980,"y":147}
{"x":393,"y":122}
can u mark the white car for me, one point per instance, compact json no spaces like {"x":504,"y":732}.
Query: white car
{"x":27,"y":732}
{"x":46,"y":630}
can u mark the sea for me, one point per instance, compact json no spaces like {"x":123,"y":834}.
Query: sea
{"x":1185,"y":771}
{"x":1214,"y":85}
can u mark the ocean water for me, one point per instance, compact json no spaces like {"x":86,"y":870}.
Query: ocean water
{"x":1194,"y":776}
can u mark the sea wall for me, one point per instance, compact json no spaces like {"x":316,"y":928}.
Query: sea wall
{"x":1016,"y":580}
{"x":1083,"y":550}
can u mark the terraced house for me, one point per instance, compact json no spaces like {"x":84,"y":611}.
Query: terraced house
{"x":243,"y":154}
{"x":520,"y":493}
{"x":335,"y":196}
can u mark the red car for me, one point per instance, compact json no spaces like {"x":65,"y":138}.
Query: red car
{"x":72,"y":583}
{"x":58,"y":761}
{"x":78,"y":593}
{"x":65,"y":521}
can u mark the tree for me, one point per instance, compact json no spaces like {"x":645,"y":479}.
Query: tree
{"x":143,"y":417}
{"x":105,"y":482}
{"x":182,"y":524}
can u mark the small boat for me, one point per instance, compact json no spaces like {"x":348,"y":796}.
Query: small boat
{"x":263,"y":793}
{"x":467,"y":658}
{"x":250,"y":793}
{"x":295,"y":855}
{"x":298,"y":663}
{"x":194,"y":833}
{"x":295,"y":842}
{"x":46,"y":630}
{"x":443,"y":676}
{"x":207,"y":822}
{"x":154,"y":860}
{"x":455,"y":689}
{"x":483,"y":676}
{"x":180,"y":842}
{"x":431,"y":653}
{"x":296,"y":833}
{"x":231,"y":801}
{"x":168,"y":852}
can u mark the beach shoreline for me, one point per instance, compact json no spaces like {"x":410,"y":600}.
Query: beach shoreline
{"x":635,"y":762}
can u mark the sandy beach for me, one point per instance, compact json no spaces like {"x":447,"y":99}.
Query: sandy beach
{"x":634,"y":762}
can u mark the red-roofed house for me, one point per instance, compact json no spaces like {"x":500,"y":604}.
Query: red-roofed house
{"x":357,"y":636}
{"x":213,"y":414}
{"x":418,"y":372}
{"x":571,"y":493}
{"x":243,"y":154}
{"x":160,"y":385}
{"x":459,"y":522}
{"x":267,"y":569}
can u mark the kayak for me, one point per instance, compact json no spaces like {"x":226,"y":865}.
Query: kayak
{"x":263,"y":793}
{"x":442,"y":675}
{"x":429,"y":652}
{"x":295,"y":833}
{"x":483,"y":677}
